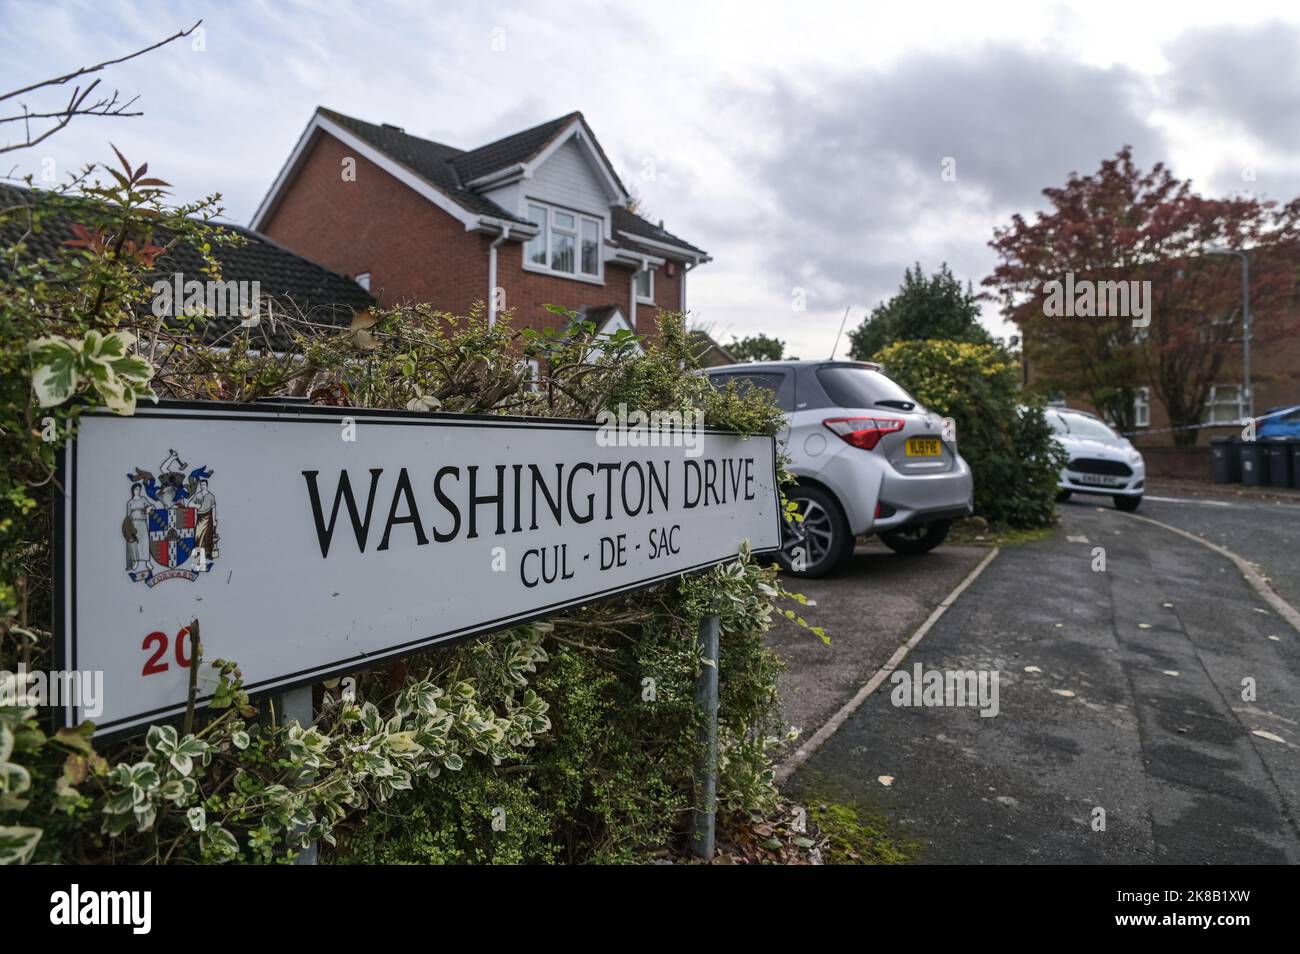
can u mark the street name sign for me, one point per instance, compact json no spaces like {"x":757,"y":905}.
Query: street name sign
{"x":312,"y":541}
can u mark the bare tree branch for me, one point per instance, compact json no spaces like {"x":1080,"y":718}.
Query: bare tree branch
{"x":78,"y":102}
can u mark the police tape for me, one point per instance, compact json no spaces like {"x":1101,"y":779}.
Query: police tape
{"x":1198,"y":427}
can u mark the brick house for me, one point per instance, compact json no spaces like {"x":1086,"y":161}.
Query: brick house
{"x":539,"y":217}
{"x":1275,"y":379}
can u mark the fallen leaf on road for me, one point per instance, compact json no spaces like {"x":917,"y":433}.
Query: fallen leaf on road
{"x":1144,"y":625}
{"x":1269,"y":735}
{"x":1170,"y":672}
{"x":1060,"y":626}
{"x":886,"y":780}
{"x":1276,"y":639}
{"x":1064,"y":692}
{"x":1032,"y":669}
{"x":1167,"y":605}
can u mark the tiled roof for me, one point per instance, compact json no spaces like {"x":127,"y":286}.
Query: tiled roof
{"x":323,"y":296}
{"x":701,"y":343}
{"x":450,"y":169}
{"x":431,"y":161}
{"x":625,"y":220}
{"x":515,"y":148}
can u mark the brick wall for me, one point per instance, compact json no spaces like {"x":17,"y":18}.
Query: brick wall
{"x":528,"y":292}
{"x":415,"y":252}
{"x":1275,"y":368}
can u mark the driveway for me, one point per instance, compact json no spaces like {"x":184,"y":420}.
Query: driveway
{"x":1118,"y":690}
{"x":867,"y":608}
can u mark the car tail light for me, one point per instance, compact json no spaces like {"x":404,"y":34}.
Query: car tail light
{"x":864,"y":432}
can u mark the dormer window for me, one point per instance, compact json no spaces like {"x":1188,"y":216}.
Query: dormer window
{"x":566,"y":242}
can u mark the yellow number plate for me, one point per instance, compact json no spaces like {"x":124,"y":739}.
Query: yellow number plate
{"x":924,"y":447}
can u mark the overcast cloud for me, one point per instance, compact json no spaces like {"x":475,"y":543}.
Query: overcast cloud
{"x":802,"y":146}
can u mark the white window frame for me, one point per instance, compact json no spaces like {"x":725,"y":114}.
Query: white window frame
{"x":547,"y":233}
{"x":1142,"y":407}
{"x":1211,"y":405}
{"x":650,"y":279}
{"x":543,"y":233}
{"x":363,"y":279}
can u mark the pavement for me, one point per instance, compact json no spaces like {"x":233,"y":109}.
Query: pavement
{"x":1119,"y":690}
{"x":867,"y":608}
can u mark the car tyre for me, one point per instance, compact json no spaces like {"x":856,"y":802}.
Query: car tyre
{"x":1127,"y":504}
{"x":916,"y":540}
{"x":823,"y":534}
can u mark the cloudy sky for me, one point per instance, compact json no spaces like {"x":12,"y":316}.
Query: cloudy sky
{"x":802,"y":144}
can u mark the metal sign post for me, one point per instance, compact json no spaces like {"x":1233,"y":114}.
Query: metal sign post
{"x":704,"y":815}
{"x":296,"y":706}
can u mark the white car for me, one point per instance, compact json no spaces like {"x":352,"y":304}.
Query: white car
{"x":1100,"y":461}
{"x":869,"y":459}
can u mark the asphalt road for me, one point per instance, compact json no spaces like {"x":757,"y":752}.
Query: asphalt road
{"x":1119,"y":690}
{"x":1264,"y":532}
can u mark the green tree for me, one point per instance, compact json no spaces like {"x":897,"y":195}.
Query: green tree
{"x":924,"y":308}
{"x":757,"y":348}
{"x":1009,"y":447}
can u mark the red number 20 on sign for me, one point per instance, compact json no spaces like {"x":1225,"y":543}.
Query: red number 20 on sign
{"x":159,"y":639}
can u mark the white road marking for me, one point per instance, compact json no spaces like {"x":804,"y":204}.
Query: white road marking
{"x":1203,"y":503}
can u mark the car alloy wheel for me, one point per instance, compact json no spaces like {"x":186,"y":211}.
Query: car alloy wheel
{"x":814,"y":545}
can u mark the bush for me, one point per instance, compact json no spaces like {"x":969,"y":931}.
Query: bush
{"x":1008,"y":445}
{"x":578,"y":733}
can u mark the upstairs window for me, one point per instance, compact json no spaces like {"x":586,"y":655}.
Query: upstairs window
{"x":566,"y":242}
{"x":590,"y":247}
{"x":535,"y":251}
{"x":645,"y":286}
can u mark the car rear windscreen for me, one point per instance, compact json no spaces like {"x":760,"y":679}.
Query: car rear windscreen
{"x":848,"y":386}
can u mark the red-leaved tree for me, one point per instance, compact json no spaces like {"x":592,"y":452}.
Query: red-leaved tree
{"x":1122,"y":224}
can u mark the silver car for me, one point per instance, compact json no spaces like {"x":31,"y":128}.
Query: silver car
{"x":869,"y":458}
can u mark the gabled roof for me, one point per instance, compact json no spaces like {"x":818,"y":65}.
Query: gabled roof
{"x":513,"y":149}
{"x":454,"y":179}
{"x":432,"y":161}
{"x":325,"y":297}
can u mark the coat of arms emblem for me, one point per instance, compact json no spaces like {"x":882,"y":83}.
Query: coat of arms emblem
{"x":170,"y":527}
